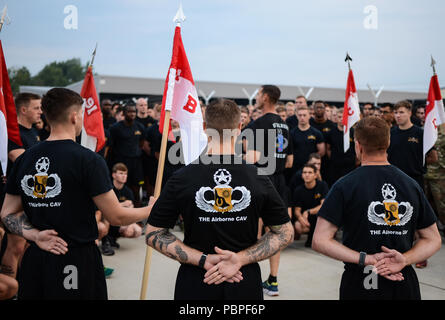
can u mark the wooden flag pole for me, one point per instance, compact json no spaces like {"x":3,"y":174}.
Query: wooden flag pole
{"x":157,"y":192}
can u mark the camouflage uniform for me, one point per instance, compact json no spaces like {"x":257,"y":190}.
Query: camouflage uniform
{"x":435,"y":177}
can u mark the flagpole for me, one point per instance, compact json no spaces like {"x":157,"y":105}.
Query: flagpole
{"x":348,"y":59}
{"x":433,"y":64}
{"x":93,"y":56}
{"x":178,"y":19}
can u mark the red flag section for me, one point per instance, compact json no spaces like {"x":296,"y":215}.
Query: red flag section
{"x":9,"y":128}
{"x":181,"y":98}
{"x":434,"y":115}
{"x":351,"y":110}
{"x":93,"y":136}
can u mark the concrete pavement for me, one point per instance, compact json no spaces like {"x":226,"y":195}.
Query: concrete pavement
{"x":304,"y":274}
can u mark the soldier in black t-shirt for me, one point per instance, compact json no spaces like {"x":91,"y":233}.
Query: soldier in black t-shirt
{"x":51,"y":196}
{"x":220,"y":202}
{"x":340,"y":162}
{"x":292,"y":121}
{"x":107,"y":114}
{"x":271,"y":150}
{"x":379,"y":208}
{"x":126,"y":200}
{"x":307,"y":200}
{"x":142,"y":115}
{"x":305,"y":140}
{"x":126,"y":141}
{"x":28,"y":113}
{"x":325,"y":126}
{"x":406,"y":148}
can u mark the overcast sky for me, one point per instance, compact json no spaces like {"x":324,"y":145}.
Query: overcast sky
{"x":261,"y":41}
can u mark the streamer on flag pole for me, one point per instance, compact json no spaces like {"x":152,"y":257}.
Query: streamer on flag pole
{"x":351,"y":110}
{"x":93,"y":135}
{"x":434,"y":112}
{"x":181,"y":98}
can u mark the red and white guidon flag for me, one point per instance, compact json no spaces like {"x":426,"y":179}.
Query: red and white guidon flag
{"x":181,"y":98}
{"x":93,"y":135}
{"x":434,"y":115}
{"x":9,"y":128}
{"x":351,"y":111}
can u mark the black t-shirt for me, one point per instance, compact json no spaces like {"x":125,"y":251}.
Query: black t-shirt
{"x":375,"y":206}
{"x":339,"y":158}
{"x":304,"y":143}
{"x":57,"y":181}
{"x":108,"y":122}
{"x":323,"y":127}
{"x":125,"y":140}
{"x":282,"y":144}
{"x":220,"y":205}
{"x":406,"y":150}
{"x":29,"y":137}
{"x":305,"y":198}
{"x":123,"y":194}
{"x":292,"y":122}
{"x":146,"y":122}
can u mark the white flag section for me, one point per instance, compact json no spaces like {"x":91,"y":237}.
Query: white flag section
{"x":351,"y":111}
{"x":434,"y":115}
{"x":189,"y":117}
{"x":181,"y":98}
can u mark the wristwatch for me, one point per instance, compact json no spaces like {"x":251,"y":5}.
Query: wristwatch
{"x":361,"y":260}
{"x":202,"y":261}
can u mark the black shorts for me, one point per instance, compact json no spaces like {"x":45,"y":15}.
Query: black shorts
{"x":353,"y":281}
{"x":135,"y":170}
{"x":190,"y":285}
{"x":279,"y":182}
{"x":77,"y":275}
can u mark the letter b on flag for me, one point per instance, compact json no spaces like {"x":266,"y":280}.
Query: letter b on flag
{"x":191,"y":104}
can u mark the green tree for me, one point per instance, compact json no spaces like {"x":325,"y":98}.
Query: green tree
{"x":60,"y":73}
{"x":19,"y":77}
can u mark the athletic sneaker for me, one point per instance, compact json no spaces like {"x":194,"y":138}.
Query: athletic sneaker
{"x":271,"y":289}
{"x":108,"y":272}
{"x":422,"y":264}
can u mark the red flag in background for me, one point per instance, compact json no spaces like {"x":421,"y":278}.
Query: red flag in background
{"x":434,"y":115}
{"x":93,"y":135}
{"x":181,"y":98}
{"x":351,"y":111}
{"x":9,"y":128}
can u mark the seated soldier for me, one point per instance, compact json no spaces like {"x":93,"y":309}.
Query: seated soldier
{"x":125,"y":197}
{"x":307,"y":200}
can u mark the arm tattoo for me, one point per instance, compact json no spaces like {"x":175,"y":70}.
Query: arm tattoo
{"x":6,"y":269}
{"x":163,"y":238}
{"x":17,"y":222}
{"x":272,"y":242}
{"x":182,"y":255}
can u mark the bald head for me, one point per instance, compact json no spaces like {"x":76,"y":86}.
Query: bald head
{"x":141,"y":107}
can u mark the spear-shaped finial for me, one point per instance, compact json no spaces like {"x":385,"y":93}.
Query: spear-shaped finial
{"x":93,"y":56}
{"x":2,"y":20}
{"x":433,"y":64}
{"x":348,"y":59}
{"x":179,"y":17}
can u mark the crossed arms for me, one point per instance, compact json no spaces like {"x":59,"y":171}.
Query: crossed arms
{"x":225,"y":265}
